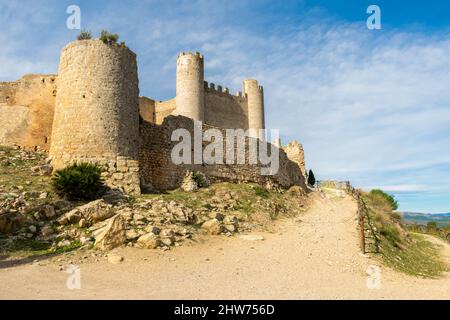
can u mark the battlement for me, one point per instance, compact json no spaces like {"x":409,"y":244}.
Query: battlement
{"x":220,"y":90}
{"x":189,"y":53}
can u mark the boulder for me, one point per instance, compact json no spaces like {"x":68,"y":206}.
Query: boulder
{"x":131,"y":235}
{"x":45,"y":169}
{"x":213,"y":226}
{"x":113,"y":235}
{"x":47,"y":212}
{"x":230,"y":228}
{"x":11,"y":222}
{"x":148,"y":241}
{"x":61,"y":204}
{"x":189,"y":184}
{"x":47,"y":231}
{"x":92,"y":212}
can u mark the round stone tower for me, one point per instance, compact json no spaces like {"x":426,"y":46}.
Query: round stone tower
{"x":190,"y":97}
{"x":255,"y":98}
{"x":97,"y":108}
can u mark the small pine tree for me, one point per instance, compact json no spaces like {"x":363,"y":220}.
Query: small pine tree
{"x":311,"y":178}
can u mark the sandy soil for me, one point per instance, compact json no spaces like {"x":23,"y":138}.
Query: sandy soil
{"x":315,"y":255}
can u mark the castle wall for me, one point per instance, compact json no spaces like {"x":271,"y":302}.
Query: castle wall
{"x":158,"y":169}
{"x":221,"y":109}
{"x":147,"y":109}
{"x":7,"y":92}
{"x":224,"y":110}
{"x":14,"y":123}
{"x":97,"y":111}
{"x":32,"y":127}
{"x":164,"y":109}
{"x":295,"y":153}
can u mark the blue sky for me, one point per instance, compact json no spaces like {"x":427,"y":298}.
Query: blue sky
{"x":370,"y":106}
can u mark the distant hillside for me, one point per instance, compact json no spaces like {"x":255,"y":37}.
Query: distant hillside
{"x":442,"y":219}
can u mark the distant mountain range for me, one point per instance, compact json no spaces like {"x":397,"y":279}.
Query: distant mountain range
{"x":442,"y":219}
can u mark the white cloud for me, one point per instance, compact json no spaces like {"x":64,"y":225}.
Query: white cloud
{"x":399,"y":188}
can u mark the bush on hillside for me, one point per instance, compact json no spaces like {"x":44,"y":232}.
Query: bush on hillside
{"x":390,"y":199}
{"x":261,"y":192}
{"x":78,"y":182}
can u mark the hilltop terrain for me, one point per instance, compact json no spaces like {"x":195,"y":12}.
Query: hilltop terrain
{"x":245,"y":242}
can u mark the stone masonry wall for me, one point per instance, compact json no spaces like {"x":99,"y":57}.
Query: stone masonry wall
{"x":295,"y":153}
{"x":164,"y":109}
{"x":147,"y":109}
{"x":158,"y":169}
{"x":26,"y":111}
{"x":221,"y":109}
{"x":224,"y":110}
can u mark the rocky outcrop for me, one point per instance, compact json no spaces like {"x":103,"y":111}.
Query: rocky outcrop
{"x":91,"y":213}
{"x":189,"y":184}
{"x":113,"y":235}
{"x":11,"y":222}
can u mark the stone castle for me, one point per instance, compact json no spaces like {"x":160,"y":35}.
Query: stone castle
{"x":92,"y":112}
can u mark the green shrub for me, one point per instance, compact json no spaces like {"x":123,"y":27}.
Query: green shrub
{"x":393,"y":203}
{"x":432,"y":225}
{"x":200,"y":179}
{"x":84,"y":35}
{"x":108,"y":38}
{"x":391,"y":233}
{"x":311,"y":178}
{"x":261,"y":192}
{"x":78,"y":182}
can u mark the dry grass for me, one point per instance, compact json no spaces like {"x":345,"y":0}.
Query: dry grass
{"x":405,"y":252}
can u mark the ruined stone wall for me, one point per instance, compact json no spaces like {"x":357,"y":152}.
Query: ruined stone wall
{"x":7,"y":92}
{"x":164,"y":109}
{"x":158,"y":169}
{"x":97,"y":111}
{"x":295,"y":153}
{"x":147,"y":109}
{"x":223,"y":109}
{"x":26,"y":111}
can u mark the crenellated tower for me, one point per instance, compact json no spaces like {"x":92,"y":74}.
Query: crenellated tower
{"x":190,"y":100}
{"x":255,"y":96}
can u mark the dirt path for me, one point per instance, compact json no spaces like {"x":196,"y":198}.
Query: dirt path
{"x":313,"y":256}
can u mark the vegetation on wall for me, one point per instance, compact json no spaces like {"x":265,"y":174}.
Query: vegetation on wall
{"x":108,"y":37}
{"x":84,"y":35}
